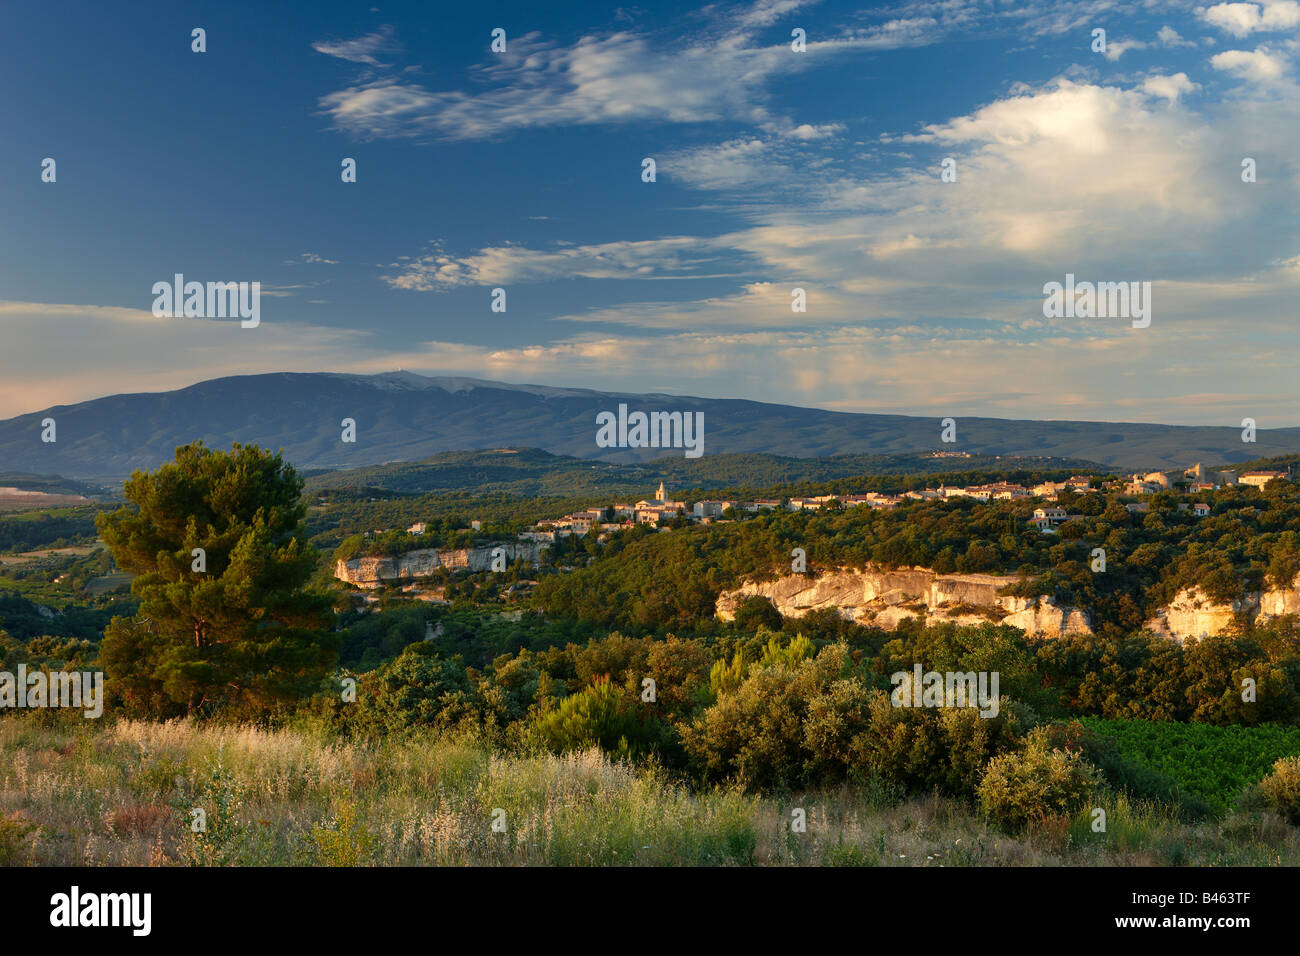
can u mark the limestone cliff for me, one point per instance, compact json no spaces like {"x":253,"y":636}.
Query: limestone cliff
{"x":1192,"y":615}
{"x":372,"y":572}
{"x":883,"y":598}
{"x":874,"y":596}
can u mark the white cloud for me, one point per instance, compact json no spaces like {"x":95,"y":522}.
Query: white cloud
{"x":623,"y":77}
{"x":1168,"y":87}
{"x":724,"y":166}
{"x":1104,"y":181}
{"x":1242,"y":19}
{"x":1181,"y":370}
{"x":766,"y":12}
{"x":903,"y":370}
{"x":502,"y":265}
{"x":12,"y":311}
{"x":1258,"y":66}
{"x":1170,"y":38}
{"x":806,"y":131}
{"x":363,"y":49}
{"x":1117,"y":48}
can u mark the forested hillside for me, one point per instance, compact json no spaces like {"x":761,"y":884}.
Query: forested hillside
{"x":652,"y":581}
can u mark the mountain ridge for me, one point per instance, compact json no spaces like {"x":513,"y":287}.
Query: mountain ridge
{"x":403,"y":416}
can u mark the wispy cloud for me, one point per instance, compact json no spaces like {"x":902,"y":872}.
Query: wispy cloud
{"x":365,"y":49}
{"x":720,"y":72}
{"x":502,"y":265}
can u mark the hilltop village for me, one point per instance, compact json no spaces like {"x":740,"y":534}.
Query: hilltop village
{"x":1051,"y":499}
{"x":662,"y":509}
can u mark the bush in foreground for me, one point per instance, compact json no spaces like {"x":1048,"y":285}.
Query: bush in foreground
{"x":1281,"y":788}
{"x":1037,"y":782}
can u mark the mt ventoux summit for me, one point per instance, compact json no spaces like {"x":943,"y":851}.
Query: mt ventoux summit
{"x":403,"y":416}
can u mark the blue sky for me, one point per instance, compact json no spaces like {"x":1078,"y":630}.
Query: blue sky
{"x":776,"y":170}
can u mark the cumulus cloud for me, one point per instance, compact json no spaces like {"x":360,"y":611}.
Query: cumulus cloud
{"x":1169,"y":87}
{"x":1242,"y":19}
{"x":1170,"y":38}
{"x":1120,"y":184}
{"x":1117,"y":48}
{"x":1257,"y":66}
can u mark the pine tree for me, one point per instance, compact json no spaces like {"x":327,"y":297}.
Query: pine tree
{"x":225,"y":616}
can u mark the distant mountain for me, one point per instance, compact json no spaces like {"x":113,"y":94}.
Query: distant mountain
{"x":47,"y":484}
{"x":405,"y":417}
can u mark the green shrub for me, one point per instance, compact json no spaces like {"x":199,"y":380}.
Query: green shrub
{"x":216,"y":837}
{"x":1281,"y":788}
{"x":756,"y":733}
{"x":14,"y":850}
{"x":346,"y":842}
{"x":926,"y":749}
{"x":836,"y":718}
{"x":417,"y":689}
{"x":600,"y":715}
{"x":1037,"y":782}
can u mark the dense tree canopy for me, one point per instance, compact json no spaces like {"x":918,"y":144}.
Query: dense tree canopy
{"x":647,"y":582}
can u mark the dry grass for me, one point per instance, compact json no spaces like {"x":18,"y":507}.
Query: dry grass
{"x":101,"y":793}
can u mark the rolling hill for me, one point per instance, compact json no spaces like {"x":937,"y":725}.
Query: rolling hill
{"x":531,"y":472}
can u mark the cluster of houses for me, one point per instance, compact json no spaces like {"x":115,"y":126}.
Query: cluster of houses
{"x":1046,"y":518}
{"x":1196,"y":479}
{"x":662,"y":508}
{"x":619,"y":515}
{"x":420,"y":527}
{"x":1193,"y":480}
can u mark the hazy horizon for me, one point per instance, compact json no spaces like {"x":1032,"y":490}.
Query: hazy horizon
{"x":616,"y":391}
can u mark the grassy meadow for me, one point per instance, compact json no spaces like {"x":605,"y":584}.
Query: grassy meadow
{"x":122,"y":793}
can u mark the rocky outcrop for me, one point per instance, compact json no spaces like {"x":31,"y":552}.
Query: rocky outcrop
{"x":884,"y":597}
{"x":376,"y":571}
{"x":1191,"y":615}
{"x":1280,"y":602}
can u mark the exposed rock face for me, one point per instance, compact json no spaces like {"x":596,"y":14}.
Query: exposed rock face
{"x":1191,"y":615}
{"x":373,"y":572}
{"x":1280,"y":602}
{"x":883,"y":598}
